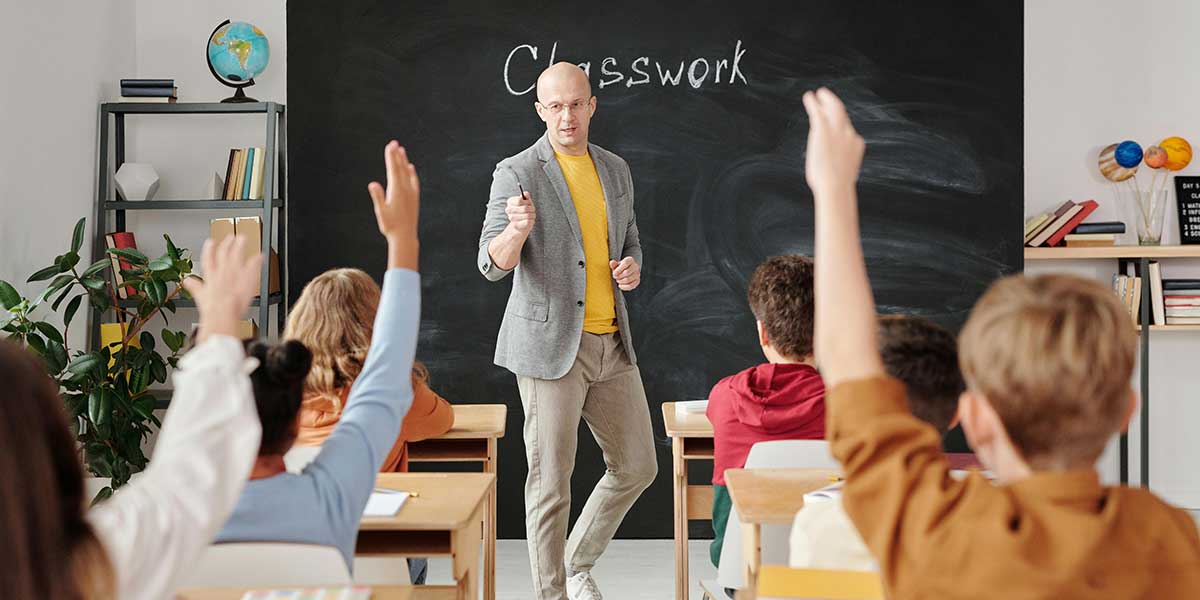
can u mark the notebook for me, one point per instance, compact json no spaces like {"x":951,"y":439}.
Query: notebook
{"x":691,"y":407}
{"x":341,"y":593}
{"x":385,"y":503}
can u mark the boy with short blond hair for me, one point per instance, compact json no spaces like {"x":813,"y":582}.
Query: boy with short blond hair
{"x":1047,"y":363}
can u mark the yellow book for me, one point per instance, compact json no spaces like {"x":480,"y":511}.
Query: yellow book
{"x":256,"y":174}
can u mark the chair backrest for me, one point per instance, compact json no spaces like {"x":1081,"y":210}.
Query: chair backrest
{"x":268,"y":564}
{"x":788,"y":454}
{"x":299,"y":456}
{"x":777,"y":582}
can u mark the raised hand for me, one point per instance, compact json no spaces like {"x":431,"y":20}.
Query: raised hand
{"x":397,"y":209}
{"x":835,"y":150}
{"x":230,"y":281}
{"x":627,"y":273}
{"x":521,"y":214}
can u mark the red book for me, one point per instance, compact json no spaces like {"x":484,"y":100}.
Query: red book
{"x":1088,"y":207}
{"x":121,"y":239}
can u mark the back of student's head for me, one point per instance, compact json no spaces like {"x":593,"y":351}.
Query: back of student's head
{"x":781,"y":298}
{"x":924,"y":356}
{"x":1053,"y":355}
{"x":278,"y":390}
{"x":334,"y":318}
{"x":50,"y":550}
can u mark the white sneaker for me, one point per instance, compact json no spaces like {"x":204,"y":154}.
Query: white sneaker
{"x":581,"y":586}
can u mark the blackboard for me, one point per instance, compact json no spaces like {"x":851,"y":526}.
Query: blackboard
{"x":935,"y":88}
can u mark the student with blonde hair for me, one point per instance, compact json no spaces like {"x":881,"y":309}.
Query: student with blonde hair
{"x":1047,"y":363}
{"x":334,"y":318}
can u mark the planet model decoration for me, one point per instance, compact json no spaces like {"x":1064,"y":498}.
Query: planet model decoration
{"x":1155,"y":157}
{"x":1111,"y":169}
{"x":1179,"y":152}
{"x":1128,"y":154}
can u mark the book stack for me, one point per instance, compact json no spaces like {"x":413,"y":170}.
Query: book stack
{"x":1051,"y":228}
{"x":244,"y":175}
{"x":1129,"y":292}
{"x":1095,"y":234}
{"x":149,"y":90}
{"x":1181,"y":301}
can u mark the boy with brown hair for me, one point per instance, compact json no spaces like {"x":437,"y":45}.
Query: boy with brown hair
{"x":781,"y":399}
{"x":1047,"y":363}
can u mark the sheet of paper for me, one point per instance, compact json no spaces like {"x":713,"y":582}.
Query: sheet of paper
{"x":385,"y":503}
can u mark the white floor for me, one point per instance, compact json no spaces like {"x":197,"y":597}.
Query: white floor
{"x":629,"y":570}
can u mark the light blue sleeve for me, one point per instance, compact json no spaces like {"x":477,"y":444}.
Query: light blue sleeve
{"x":344,"y":471}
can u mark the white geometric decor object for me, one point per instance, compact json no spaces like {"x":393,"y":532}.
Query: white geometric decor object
{"x":136,"y":181}
{"x":218,"y":187}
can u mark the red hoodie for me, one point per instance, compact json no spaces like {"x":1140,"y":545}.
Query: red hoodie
{"x":767,"y":402}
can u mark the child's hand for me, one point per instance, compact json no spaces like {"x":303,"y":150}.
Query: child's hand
{"x":835,"y":150}
{"x":230,"y":281}
{"x":396,"y":210}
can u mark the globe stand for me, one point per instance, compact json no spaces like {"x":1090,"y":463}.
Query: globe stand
{"x":239,"y":96}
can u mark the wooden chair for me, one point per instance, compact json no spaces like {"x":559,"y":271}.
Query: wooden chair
{"x":269,"y":564}
{"x":777,"y":582}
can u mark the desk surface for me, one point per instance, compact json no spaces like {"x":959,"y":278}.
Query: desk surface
{"x":378,"y":592}
{"x":476,"y":421}
{"x":687,"y":425}
{"x":772,"y":496}
{"x":444,"y":501}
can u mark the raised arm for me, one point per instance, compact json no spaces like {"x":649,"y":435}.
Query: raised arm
{"x":159,"y":524}
{"x":346,"y":467}
{"x":845,"y":331}
{"x":509,"y":219}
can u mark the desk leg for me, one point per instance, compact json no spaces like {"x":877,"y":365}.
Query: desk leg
{"x":679,"y":483}
{"x":466,"y":557}
{"x":751,"y":556}
{"x":489,"y":529}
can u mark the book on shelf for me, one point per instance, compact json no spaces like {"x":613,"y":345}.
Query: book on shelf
{"x":229,"y":175}
{"x":145,"y":100}
{"x":1129,"y":291}
{"x":1182,"y":300}
{"x":1183,"y":320}
{"x":1051,"y":217}
{"x":1090,"y":240}
{"x":239,"y":164}
{"x":251,"y":229}
{"x":1100,"y":227}
{"x":249,"y":174}
{"x":256,"y":171}
{"x":1181,"y":284}
{"x":1183,"y":311}
{"x":1034,"y":224}
{"x":120,"y":239}
{"x":150,"y":92}
{"x":244,"y":174}
{"x":1157,"y":300}
{"x":1085,"y":209}
{"x":147,"y":83}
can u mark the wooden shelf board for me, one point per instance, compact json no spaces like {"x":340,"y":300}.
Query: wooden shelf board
{"x":1112,"y":252}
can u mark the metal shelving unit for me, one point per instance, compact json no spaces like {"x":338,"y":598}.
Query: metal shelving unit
{"x":272,"y":210}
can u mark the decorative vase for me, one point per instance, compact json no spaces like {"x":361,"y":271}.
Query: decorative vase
{"x":136,"y":181}
{"x":1149,"y":208}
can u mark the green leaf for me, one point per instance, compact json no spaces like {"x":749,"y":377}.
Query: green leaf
{"x":169,"y":305}
{"x":99,"y":300}
{"x":59,"y":283}
{"x":77,"y":236}
{"x":56,"y":357}
{"x":147,"y":341}
{"x":36,"y":343}
{"x":160,"y":291}
{"x":98,"y":407}
{"x":101,"y":496}
{"x":45,"y":274}
{"x":96,"y":267}
{"x":93,"y":283}
{"x":8,"y":295}
{"x":172,"y":251}
{"x":67,"y":261}
{"x":69,"y":314}
{"x":76,"y":404}
{"x":49,"y":331}
{"x":63,"y":296}
{"x":144,"y":406}
{"x":159,"y":371}
{"x":161,"y":264}
{"x":133,"y":255}
{"x":172,"y":342}
{"x":86,"y":363}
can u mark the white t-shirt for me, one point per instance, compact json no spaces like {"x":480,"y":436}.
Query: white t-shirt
{"x":824,"y":538}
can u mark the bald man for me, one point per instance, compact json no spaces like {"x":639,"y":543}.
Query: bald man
{"x":571,"y":241}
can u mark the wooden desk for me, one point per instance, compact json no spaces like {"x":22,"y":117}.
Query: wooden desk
{"x":473,"y":439}
{"x":443,"y":519}
{"x":378,"y":592}
{"x":769,"y":497}
{"x":691,"y":440}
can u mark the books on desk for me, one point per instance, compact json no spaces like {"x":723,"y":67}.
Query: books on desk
{"x":357,"y":592}
{"x":691,"y":407}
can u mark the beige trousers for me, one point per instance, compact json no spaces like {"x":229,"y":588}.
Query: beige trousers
{"x":605,"y":390}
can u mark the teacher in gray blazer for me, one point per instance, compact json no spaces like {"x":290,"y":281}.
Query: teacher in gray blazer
{"x":560,"y":218}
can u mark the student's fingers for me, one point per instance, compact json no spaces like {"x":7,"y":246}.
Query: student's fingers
{"x":816,"y":117}
{"x":193,"y":284}
{"x":401,"y":173}
{"x":206,"y":255}
{"x":835,"y":110}
{"x":378,"y":197}
{"x":414,"y":182}
{"x":389,"y":161}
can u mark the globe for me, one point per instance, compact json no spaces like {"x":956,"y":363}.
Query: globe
{"x":237,"y":53}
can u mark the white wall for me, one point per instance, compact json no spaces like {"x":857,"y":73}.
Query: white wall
{"x":1098,"y":72}
{"x":61,"y":59}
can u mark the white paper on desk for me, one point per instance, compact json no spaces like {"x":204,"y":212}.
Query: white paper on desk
{"x":691,"y":407}
{"x":385,"y":504}
{"x":829,"y":492}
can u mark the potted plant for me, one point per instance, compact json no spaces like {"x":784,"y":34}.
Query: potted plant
{"x":106,"y":390}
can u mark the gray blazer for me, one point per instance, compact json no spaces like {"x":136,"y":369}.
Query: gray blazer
{"x":543,"y":322}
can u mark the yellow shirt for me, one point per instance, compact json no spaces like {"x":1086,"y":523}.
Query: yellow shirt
{"x":599,"y":310}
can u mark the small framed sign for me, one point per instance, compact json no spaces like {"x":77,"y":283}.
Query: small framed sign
{"x":1187,"y":198}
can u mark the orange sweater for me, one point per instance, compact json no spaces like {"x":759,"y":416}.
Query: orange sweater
{"x":1051,"y":535}
{"x":429,"y":416}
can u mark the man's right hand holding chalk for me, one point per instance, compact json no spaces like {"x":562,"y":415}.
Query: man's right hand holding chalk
{"x":521,"y":214}
{"x":505,"y":249}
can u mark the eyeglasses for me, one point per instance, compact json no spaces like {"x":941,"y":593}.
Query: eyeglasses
{"x":556,"y":107}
